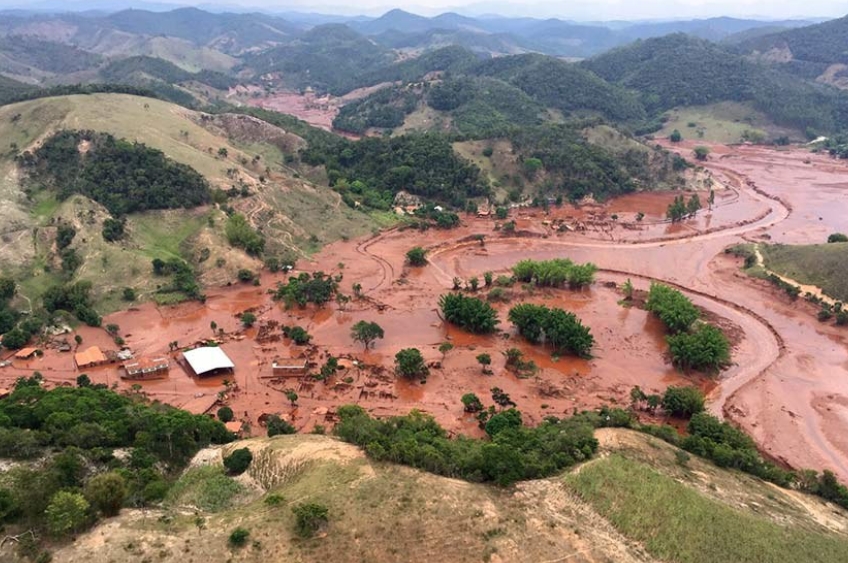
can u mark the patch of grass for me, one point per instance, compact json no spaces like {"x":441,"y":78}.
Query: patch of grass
{"x":676,"y":523}
{"x":45,"y":206}
{"x":385,"y":219}
{"x":207,"y":488}
{"x":162,"y":236}
{"x":724,"y":122}
{"x":822,"y":265}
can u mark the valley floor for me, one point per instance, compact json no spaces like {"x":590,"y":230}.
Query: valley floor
{"x":786,"y":387}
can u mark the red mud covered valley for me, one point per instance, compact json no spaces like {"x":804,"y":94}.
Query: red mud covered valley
{"x":787,"y":386}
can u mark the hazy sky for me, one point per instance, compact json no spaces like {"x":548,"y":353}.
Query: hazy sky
{"x":579,"y":10}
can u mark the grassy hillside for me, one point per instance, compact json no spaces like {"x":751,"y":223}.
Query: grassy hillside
{"x":822,"y":265}
{"x":293,"y":215}
{"x":724,"y":122}
{"x":677,"y":512}
{"x":387,"y":513}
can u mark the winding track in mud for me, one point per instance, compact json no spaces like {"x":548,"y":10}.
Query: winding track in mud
{"x":754,"y":325}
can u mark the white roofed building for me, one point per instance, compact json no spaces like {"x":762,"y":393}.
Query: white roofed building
{"x":208,"y":360}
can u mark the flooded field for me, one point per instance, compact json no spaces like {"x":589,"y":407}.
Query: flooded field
{"x":788,"y":385}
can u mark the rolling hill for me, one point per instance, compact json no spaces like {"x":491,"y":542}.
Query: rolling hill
{"x":636,"y":502}
{"x":328,"y":58}
{"x":817,"y":52}
{"x":678,"y":70}
{"x":227,"y":150}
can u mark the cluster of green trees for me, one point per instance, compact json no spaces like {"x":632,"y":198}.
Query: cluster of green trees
{"x":416,"y":256}
{"x":122,"y":176}
{"x":240,"y":233}
{"x":183,"y":278}
{"x":423,"y":164}
{"x":679,"y":209}
{"x":703,"y":348}
{"x":513,"y":453}
{"x":384,"y":109}
{"x":576,"y":168}
{"x":74,"y":431}
{"x":555,"y":273}
{"x":673,"y":308}
{"x":410,"y":363}
{"x":698,"y":347}
{"x":560,"y":329}
{"x":468,"y":313}
{"x":9,"y":317}
{"x":318,"y":288}
{"x":74,"y":298}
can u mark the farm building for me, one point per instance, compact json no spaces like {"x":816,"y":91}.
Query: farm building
{"x":25,"y":353}
{"x":289,"y":367}
{"x":146,"y":368}
{"x":90,"y":358}
{"x":208,"y":360}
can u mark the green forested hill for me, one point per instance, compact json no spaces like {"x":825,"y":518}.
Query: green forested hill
{"x":563,"y":86}
{"x":678,"y":70}
{"x":230,"y":32}
{"x":48,"y":56}
{"x":328,"y":58}
{"x":11,"y":89}
{"x":822,"y":43}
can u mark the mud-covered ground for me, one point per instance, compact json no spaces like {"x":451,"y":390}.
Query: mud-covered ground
{"x":788,"y":385}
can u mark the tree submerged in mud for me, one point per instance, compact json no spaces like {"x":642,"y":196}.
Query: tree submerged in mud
{"x":561,"y":329}
{"x":469,"y":313}
{"x":409,"y":363}
{"x":318,"y":288}
{"x":366,"y":332}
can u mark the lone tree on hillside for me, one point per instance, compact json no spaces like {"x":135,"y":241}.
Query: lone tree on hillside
{"x":366,"y":332}
{"x":675,"y":136}
{"x":410,"y":363}
{"x":701,"y":153}
{"x":417,"y":257}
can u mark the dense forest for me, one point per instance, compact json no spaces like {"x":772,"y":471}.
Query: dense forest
{"x":124,"y":177}
{"x":377,"y":168}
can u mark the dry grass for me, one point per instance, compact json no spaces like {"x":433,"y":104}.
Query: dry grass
{"x":384,"y":513}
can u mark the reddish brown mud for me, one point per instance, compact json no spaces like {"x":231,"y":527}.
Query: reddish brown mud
{"x":788,"y":384}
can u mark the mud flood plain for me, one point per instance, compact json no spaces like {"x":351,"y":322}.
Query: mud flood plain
{"x":787,"y":385}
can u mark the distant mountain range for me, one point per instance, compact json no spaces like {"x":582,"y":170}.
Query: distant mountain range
{"x":400,"y":29}
{"x":632,"y":72}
